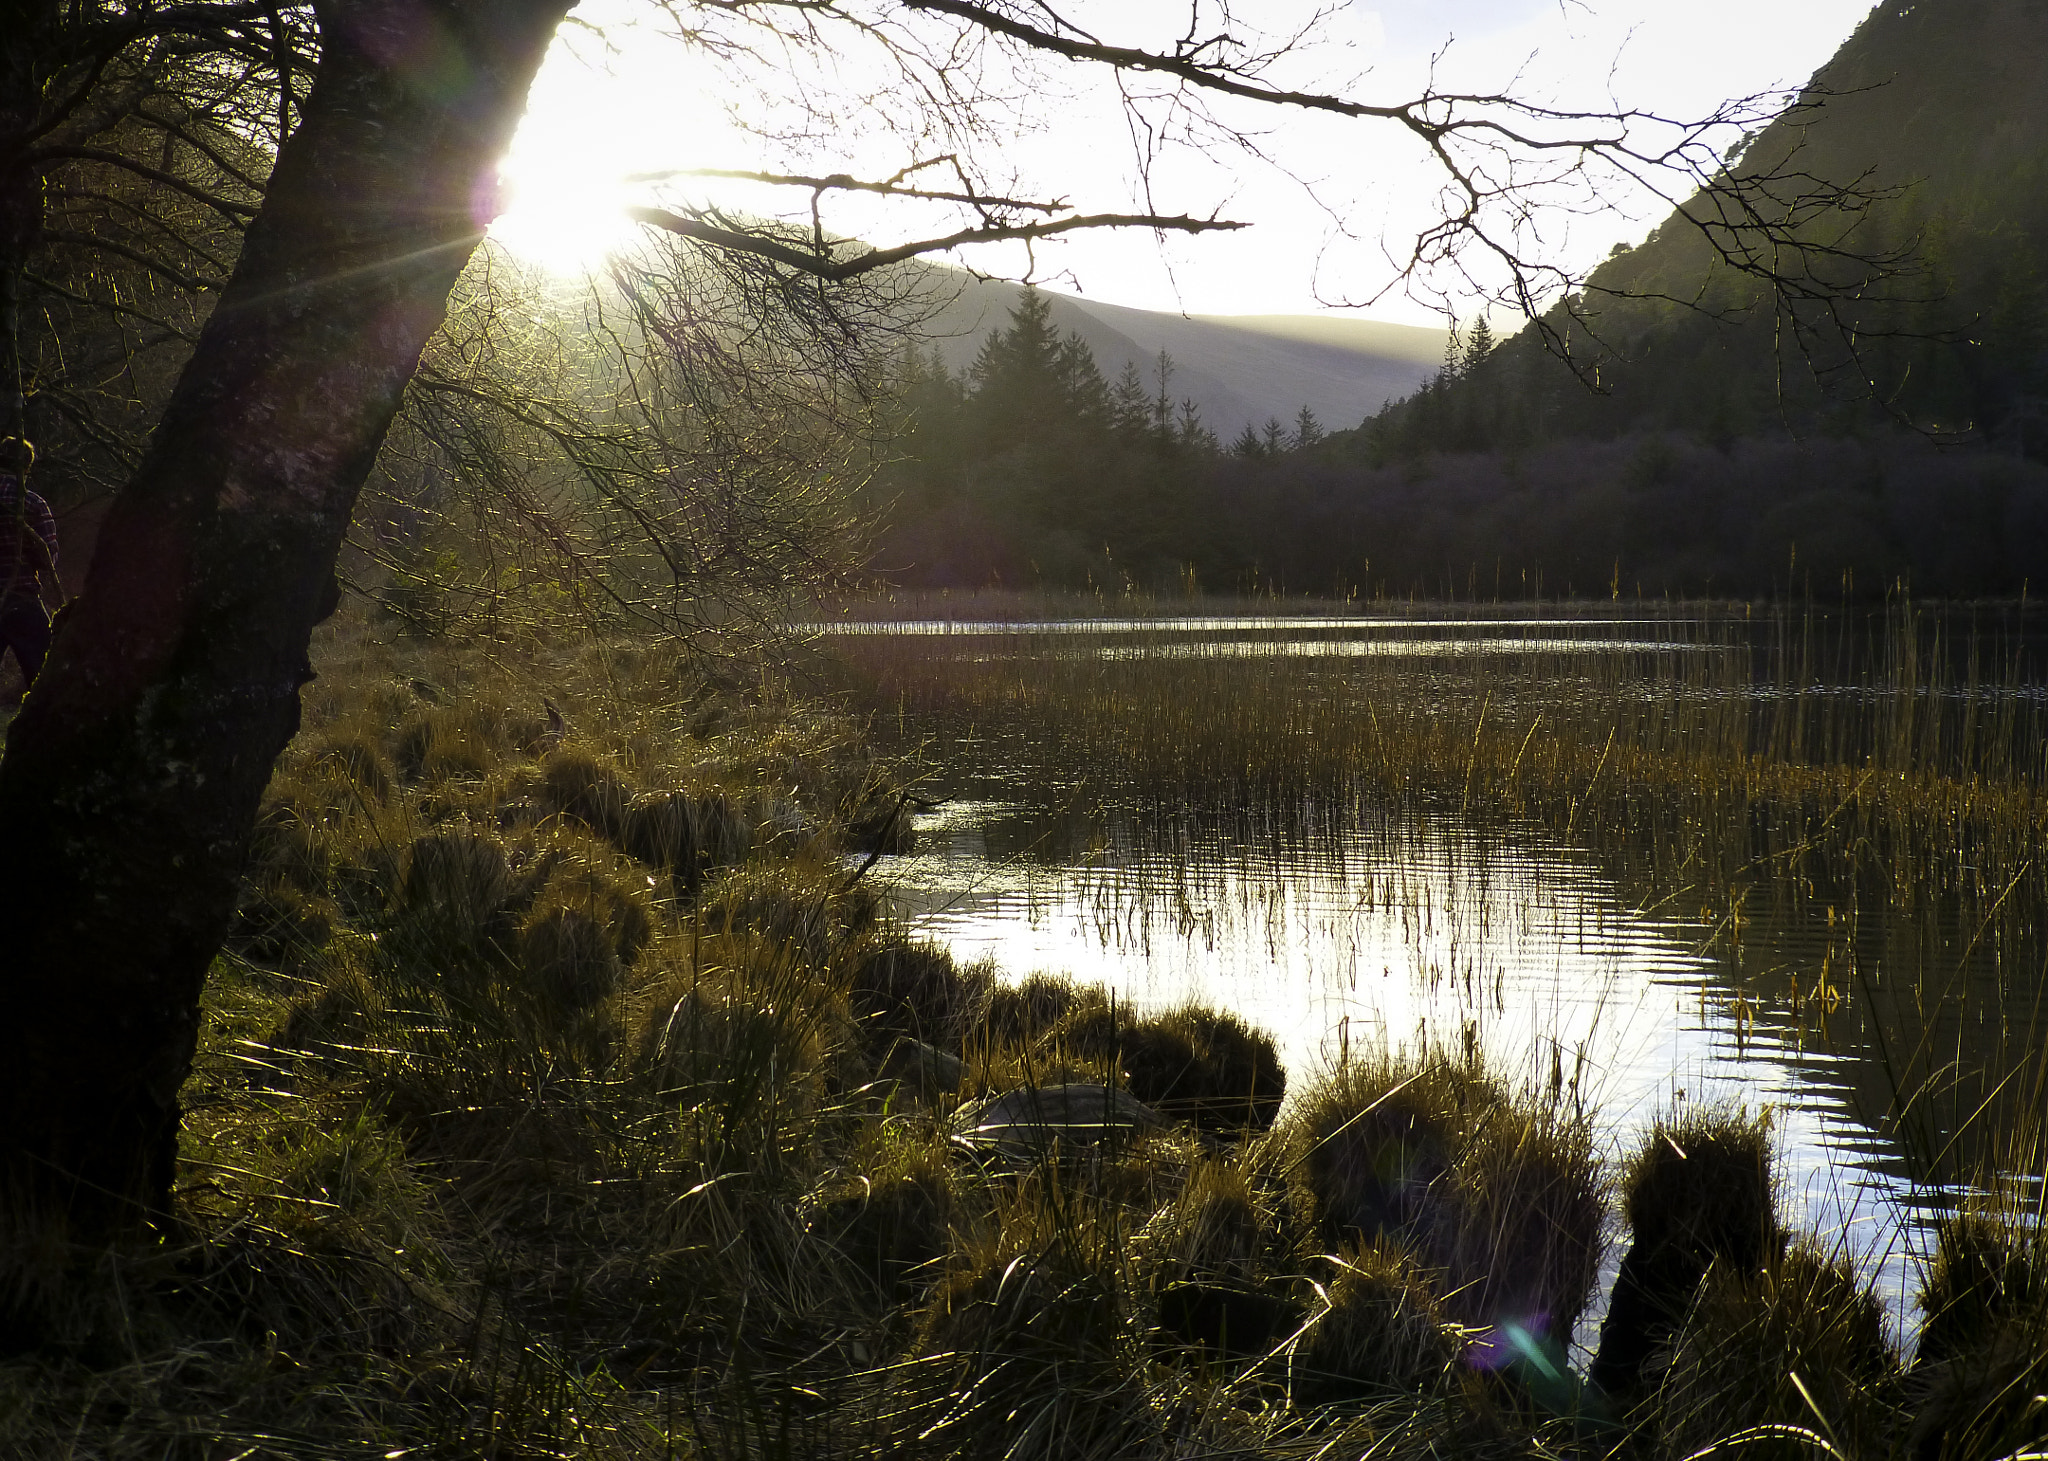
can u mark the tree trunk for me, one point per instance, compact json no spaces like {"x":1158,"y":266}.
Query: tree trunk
{"x":28,"y":26}
{"x":132,"y":776}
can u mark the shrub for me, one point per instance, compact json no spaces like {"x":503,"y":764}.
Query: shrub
{"x":1378,"y":1141}
{"x":788,"y":906}
{"x":281,"y":926}
{"x":725,"y":834}
{"x":568,"y":959}
{"x":1702,"y":1181}
{"x":1983,"y":1357}
{"x":660,"y":828}
{"x":1021,"y":1014}
{"x":360,"y":760}
{"x":456,"y":887}
{"x":1190,"y":1064}
{"x":894,"y":1226}
{"x":1036,"y":1327}
{"x":1217,"y":1227}
{"x":1498,"y":1194}
{"x":1699,"y":1190}
{"x":1532,"y":1207}
{"x":577,"y":785}
{"x":289,"y":846}
{"x":692,"y":1035}
{"x":615,"y":897}
{"x":343,"y":1012}
{"x":1988,"y":1270}
{"x":440,"y":745}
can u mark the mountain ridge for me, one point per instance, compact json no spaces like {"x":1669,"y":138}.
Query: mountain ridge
{"x":1239,"y":370}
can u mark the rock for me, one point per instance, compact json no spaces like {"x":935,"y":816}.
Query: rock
{"x":923,"y":1070}
{"x":1034,"y":1117}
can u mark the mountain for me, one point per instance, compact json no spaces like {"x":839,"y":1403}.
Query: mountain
{"x":1932,"y":120}
{"x":1238,"y":369}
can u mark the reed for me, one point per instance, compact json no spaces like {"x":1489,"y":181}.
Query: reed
{"x":1495,"y":1190}
{"x":1783,"y":1361}
{"x":1878,"y":781}
{"x":567,"y":1128}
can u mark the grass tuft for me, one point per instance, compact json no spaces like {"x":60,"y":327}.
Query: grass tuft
{"x":1699,"y":1191}
{"x":1799,"y":1344}
{"x":1379,"y":1326}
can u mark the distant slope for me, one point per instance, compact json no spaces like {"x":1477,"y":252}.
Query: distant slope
{"x":1941,"y":110}
{"x":1238,"y":369}
{"x":1340,"y":368}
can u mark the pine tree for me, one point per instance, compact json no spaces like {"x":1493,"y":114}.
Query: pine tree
{"x":1478,"y":346}
{"x":1307,"y":430}
{"x":1130,"y":407}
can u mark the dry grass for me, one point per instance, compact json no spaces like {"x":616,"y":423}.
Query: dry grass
{"x":1794,"y":1351}
{"x":542,"y":1112}
{"x":1494,"y":1191}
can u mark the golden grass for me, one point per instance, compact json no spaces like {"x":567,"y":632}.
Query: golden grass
{"x":540,"y":1112}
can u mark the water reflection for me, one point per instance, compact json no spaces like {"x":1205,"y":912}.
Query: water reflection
{"x":1334,"y":923}
{"x":1248,"y":625}
{"x":1410,"y":934}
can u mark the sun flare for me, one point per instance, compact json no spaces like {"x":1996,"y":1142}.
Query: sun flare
{"x":564,"y":214}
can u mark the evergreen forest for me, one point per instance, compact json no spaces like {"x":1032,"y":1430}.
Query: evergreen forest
{"x":1863,"y":410}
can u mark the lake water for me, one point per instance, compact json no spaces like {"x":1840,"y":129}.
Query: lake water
{"x":1355,"y":927}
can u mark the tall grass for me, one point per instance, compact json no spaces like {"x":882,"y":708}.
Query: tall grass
{"x":566,"y":1094}
{"x":1881,"y":778}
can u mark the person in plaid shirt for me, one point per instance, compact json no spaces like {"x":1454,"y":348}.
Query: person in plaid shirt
{"x":28,"y":561}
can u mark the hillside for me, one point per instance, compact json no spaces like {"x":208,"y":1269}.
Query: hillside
{"x":1935,"y":118}
{"x":1238,"y":369}
{"x":1891,"y":427}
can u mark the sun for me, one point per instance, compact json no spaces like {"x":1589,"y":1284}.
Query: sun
{"x":565,"y":213}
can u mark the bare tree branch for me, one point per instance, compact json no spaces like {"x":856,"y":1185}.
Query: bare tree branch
{"x":820,"y":263}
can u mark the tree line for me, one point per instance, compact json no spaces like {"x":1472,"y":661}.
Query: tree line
{"x":1031,"y":466}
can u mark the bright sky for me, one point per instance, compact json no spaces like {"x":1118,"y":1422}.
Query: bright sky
{"x":619,"y":96}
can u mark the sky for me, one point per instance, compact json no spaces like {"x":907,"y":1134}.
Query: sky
{"x":1329,"y":201}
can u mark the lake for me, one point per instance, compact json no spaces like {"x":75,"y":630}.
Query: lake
{"x":1339,"y":917}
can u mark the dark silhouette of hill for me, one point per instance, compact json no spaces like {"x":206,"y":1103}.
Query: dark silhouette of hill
{"x":1933,"y":120}
{"x":1883,"y":419}
{"x":1239,"y":370}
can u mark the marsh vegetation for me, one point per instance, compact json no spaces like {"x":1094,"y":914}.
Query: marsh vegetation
{"x":575,"y":1085}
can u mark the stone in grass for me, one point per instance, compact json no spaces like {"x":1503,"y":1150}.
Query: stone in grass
{"x":1033,"y":1118}
{"x":919,"y":1070}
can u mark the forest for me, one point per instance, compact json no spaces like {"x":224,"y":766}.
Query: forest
{"x":1030,"y":469}
{"x":1684,"y":423}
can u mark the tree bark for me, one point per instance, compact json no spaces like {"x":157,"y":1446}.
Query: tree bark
{"x":28,"y":27}
{"x":133,"y":773}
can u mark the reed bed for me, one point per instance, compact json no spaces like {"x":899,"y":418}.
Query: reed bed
{"x":1881,"y":776}
{"x":566,"y":1094}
